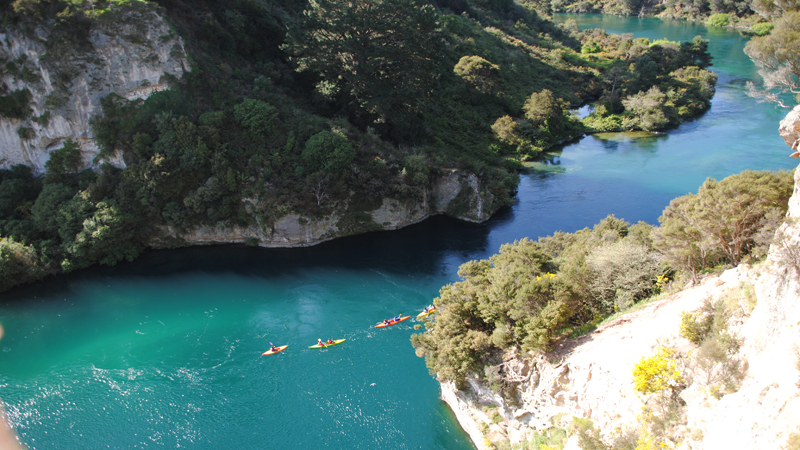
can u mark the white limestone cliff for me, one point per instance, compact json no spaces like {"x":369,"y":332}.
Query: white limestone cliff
{"x":448,"y":188}
{"x":133,"y":55}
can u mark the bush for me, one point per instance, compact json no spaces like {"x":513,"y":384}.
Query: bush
{"x":588,"y":434}
{"x":255,"y":115}
{"x":718,"y":20}
{"x":478,"y":72}
{"x":26,"y":133}
{"x":16,"y":105}
{"x":19,"y":264}
{"x":622,"y":274}
{"x":591,"y":47}
{"x":695,"y":326}
{"x":759,"y":29}
{"x":328,"y":152}
{"x":716,"y":367}
{"x":657,"y":373}
{"x":65,"y":159}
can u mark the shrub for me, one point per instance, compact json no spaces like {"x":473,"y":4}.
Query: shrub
{"x":716,"y":367}
{"x":657,"y":373}
{"x":695,"y":326}
{"x":718,"y":20}
{"x":792,"y":442}
{"x":26,"y":133}
{"x":591,"y":47}
{"x":327,"y":151}
{"x":16,"y":105}
{"x":65,"y":159}
{"x":622,"y":274}
{"x":759,"y":29}
{"x":588,"y":434}
{"x":19,"y":264}
{"x":478,"y":72}
{"x":255,"y":115}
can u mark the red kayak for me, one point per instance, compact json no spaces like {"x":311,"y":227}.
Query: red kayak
{"x":392,"y":322}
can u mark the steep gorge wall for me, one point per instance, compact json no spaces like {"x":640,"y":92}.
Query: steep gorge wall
{"x":591,"y":377}
{"x":133,"y":53}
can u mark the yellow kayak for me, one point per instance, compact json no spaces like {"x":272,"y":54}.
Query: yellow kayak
{"x":336,"y":342}
{"x":426,"y":314}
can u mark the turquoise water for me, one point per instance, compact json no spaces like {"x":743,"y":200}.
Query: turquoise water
{"x":165,"y":352}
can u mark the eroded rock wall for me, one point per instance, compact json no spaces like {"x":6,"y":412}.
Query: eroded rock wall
{"x":451,"y":192}
{"x":133,"y":54}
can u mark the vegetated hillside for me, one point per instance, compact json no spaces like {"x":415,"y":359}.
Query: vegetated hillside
{"x":315,"y":110}
{"x":502,"y":341}
{"x":535,"y":293}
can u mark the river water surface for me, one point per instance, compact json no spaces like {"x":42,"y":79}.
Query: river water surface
{"x":165,"y":352}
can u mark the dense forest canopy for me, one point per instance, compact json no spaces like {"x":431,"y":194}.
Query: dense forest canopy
{"x":314,"y":108}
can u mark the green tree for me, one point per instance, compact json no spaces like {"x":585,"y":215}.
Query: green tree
{"x":46,"y":209}
{"x":384,"y":53}
{"x":478,"y":72}
{"x":777,"y":54}
{"x":544,"y":109}
{"x":328,"y":151}
{"x":622,"y":274}
{"x":256,"y":116}
{"x":65,"y":159}
{"x":19,"y":264}
{"x":647,"y":109}
{"x":721,"y":220}
{"x":733,"y":208}
{"x":16,"y":105}
{"x":107,"y":236}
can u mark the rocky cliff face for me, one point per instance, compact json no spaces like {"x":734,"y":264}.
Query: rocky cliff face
{"x":591,"y":377}
{"x":132,"y":53}
{"x":451,"y":192}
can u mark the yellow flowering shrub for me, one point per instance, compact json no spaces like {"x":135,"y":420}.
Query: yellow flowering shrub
{"x":658,"y":372}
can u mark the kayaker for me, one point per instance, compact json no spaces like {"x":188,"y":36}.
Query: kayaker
{"x":385,"y":322}
{"x":330,"y":341}
{"x":272,"y":347}
{"x":320,"y":343}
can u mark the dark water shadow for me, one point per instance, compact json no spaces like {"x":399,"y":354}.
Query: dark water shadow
{"x":414,"y":250}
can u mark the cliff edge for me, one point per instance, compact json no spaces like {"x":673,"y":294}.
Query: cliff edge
{"x":591,"y":376}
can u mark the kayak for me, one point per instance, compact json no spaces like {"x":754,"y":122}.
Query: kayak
{"x":426,"y":314}
{"x":336,"y":342}
{"x":392,"y":322}
{"x":278,"y":350}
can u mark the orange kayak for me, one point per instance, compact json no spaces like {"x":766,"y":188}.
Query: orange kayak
{"x":277,"y":350}
{"x":392,"y":322}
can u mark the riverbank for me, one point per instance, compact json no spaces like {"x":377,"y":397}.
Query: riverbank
{"x":594,"y":377}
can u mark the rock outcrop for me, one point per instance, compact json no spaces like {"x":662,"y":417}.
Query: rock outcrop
{"x":790,"y":130}
{"x":591,"y":377}
{"x":451,"y":192}
{"x":133,"y":55}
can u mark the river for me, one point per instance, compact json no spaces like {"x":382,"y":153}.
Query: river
{"x":165,"y":352}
